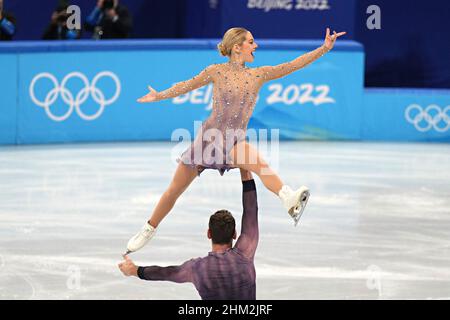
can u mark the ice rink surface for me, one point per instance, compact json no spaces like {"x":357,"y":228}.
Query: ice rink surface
{"x":377,"y":225}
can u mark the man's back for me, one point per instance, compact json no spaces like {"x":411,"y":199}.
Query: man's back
{"x":226,"y":276}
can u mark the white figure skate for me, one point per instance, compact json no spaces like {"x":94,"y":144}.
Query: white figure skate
{"x":141,"y":238}
{"x":294,"y":201}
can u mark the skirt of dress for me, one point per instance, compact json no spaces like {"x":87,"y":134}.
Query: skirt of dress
{"x":203,"y":155}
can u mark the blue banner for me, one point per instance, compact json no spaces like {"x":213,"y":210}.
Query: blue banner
{"x":322,"y":101}
{"x":406,"y":115}
{"x":87,"y":91}
{"x":8,"y":98}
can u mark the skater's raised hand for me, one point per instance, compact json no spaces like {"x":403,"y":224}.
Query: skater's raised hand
{"x":331,"y":39}
{"x":149,"y":97}
{"x":128,"y":267}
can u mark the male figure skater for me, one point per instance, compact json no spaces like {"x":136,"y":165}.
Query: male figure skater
{"x":227,"y":272}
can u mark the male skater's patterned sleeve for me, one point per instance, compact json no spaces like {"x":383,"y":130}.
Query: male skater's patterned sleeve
{"x":177,"y":274}
{"x":248,"y":240}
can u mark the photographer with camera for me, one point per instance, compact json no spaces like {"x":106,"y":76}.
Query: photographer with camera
{"x":109,"y":20}
{"x":7,"y":24}
{"x":57,"y":29}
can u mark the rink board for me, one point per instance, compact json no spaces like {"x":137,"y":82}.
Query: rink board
{"x":85,"y":91}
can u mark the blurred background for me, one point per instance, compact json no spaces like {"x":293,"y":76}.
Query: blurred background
{"x":410,"y":50}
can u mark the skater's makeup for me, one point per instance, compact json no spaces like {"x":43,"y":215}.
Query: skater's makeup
{"x":239,"y":45}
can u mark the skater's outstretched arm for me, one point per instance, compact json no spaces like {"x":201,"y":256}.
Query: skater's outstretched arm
{"x":248,"y":240}
{"x":200,"y":80}
{"x":179,"y":274}
{"x":274,"y":72}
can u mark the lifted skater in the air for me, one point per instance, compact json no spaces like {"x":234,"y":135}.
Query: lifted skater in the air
{"x":235,"y":90}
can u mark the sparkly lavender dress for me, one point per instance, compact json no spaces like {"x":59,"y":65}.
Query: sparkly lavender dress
{"x":235,"y":92}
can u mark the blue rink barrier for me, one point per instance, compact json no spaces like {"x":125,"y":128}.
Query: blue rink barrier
{"x":406,"y":115}
{"x":86,"y":91}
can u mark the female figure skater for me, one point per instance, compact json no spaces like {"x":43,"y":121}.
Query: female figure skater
{"x":234,"y":96}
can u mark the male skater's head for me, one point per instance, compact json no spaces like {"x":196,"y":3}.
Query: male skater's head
{"x":222,"y":229}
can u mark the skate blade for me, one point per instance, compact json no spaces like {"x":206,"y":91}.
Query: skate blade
{"x":297,"y":211}
{"x":127,"y":253}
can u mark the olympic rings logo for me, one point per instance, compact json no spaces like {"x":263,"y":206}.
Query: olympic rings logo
{"x":80,"y":97}
{"x":432,"y":117}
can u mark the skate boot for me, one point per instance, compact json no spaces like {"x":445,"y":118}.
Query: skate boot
{"x":294,"y":201}
{"x":141,"y":238}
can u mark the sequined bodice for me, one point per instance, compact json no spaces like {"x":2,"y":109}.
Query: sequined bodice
{"x":234,"y":96}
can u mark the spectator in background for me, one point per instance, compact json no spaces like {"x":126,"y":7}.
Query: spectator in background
{"x":7,"y":24}
{"x":109,"y":20}
{"x":57,"y":29}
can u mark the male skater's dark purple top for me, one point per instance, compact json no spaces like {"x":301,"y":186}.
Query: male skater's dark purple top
{"x":221,"y":276}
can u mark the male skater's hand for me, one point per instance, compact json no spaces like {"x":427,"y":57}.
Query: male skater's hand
{"x":245,"y":175}
{"x":128,"y":267}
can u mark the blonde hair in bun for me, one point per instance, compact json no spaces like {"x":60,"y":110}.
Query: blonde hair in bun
{"x":230,"y":38}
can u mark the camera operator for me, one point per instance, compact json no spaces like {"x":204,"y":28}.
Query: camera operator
{"x":57,"y":29}
{"x":7,"y":24}
{"x":109,"y":20}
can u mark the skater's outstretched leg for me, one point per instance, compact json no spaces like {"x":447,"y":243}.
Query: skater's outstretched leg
{"x":182,"y":178}
{"x":247,"y":157}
